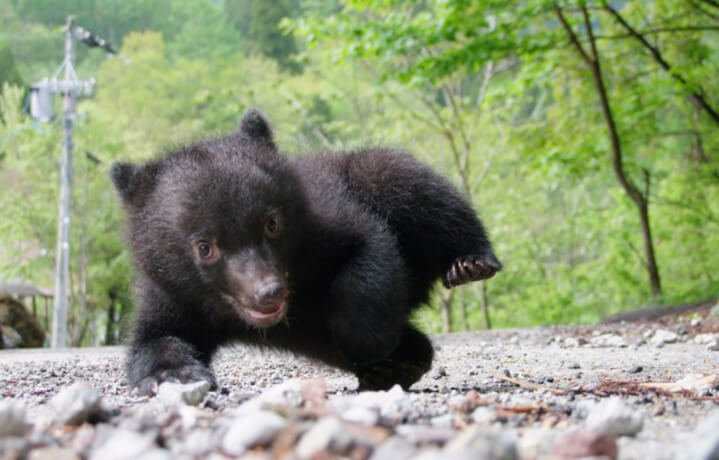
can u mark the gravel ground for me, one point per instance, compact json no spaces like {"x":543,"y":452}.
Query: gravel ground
{"x":546,"y":393}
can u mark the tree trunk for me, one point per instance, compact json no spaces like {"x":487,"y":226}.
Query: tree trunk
{"x":110,"y":326}
{"x":655,"y":283}
{"x":485,"y":305}
{"x":446,"y":305}
{"x":640,"y":200}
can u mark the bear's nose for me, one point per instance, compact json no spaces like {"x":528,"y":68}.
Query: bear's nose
{"x":271,"y":293}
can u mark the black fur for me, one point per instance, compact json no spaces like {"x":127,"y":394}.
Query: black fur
{"x":324,"y":255}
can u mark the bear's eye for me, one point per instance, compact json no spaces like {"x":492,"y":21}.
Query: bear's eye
{"x":272,"y":226}
{"x":206,"y":252}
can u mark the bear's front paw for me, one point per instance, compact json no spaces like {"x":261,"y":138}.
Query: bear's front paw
{"x":471,"y":268}
{"x":185,"y":374}
{"x":387,"y":373}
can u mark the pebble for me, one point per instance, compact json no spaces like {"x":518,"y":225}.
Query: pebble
{"x":613,"y":417}
{"x":327,"y":433}
{"x":439,"y":373}
{"x":251,"y":429}
{"x":443,"y":421}
{"x":386,"y":403}
{"x":79,"y":403}
{"x":199,"y":442}
{"x":608,"y":341}
{"x":362,"y":415}
{"x":483,"y":443}
{"x":705,"y":339}
{"x":53,"y":453}
{"x":12,"y":418}
{"x":483,"y":415}
{"x":120,"y":444}
{"x":288,"y":394}
{"x":580,"y":444}
{"x":395,"y":448}
{"x":422,"y":434}
{"x":704,"y":444}
{"x":574,"y":342}
{"x":175,"y":394}
{"x":713,"y":346}
{"x":663,"y":336}
{"x":635,"y":369}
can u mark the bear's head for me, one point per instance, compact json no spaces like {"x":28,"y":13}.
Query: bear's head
{"x":218,"y":222}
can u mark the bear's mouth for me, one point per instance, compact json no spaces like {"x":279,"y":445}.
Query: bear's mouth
{"x":267,"y":312}
{"x":258,"y":315}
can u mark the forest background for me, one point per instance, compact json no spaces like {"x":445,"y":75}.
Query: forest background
{"x":584,"y":132}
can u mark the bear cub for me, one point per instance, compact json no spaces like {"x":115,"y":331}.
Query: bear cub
{"x":324,"y":255}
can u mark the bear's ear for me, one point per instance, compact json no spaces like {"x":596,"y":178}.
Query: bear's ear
{"x":255,"y":127}
{"x":132,"y":182}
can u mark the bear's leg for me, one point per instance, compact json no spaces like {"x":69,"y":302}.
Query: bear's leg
{"x":367,"y":305}
{"x":407,"y":364}
{"x":166,"y":359}
{"x":439,"y":233}
{"x":171,"y":342}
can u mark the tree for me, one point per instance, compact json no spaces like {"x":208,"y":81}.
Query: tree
{"x":259,"y":22}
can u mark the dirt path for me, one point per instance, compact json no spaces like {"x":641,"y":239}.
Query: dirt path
{"x":526,"y":390}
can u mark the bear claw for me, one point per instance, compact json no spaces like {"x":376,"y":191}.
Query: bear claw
{"x":471,"y":268}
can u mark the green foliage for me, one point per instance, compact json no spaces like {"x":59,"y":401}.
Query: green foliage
{"x":259,"y":21}
{"x":8,"y":70}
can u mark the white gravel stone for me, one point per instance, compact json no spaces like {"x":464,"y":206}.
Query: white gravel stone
{"x":175,"y":394}
{"x":199,"y":442}
{"x":442,"y":421}
{"x":385,"y":402}
{"x":327,"y":433}
{"x":704,"y":444}
{"x":120,"y":444}
{"x":12,"y":418}
{"x":705,"y":339}
{"x":483,"y":443}
{"x":251,"y":429}
{"x":395,"y":448}
{"x":612,"y":416}
{"x":288,"y":393}
{"x":571,"y":342}
{"x":662,"y":336}
{"x":714,"y":311}
{"x":53,"y":453}
{"x":483,"y":415}
{"x":363,"y":415}
{"x":608,"y":341}
{"x":79,"y":403}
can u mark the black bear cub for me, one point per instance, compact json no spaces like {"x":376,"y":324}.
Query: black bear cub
{"x":324,"y":255}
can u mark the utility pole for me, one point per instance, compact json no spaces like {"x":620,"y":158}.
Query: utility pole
{"x":62,"y":254}
{"x":70,"y":87}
